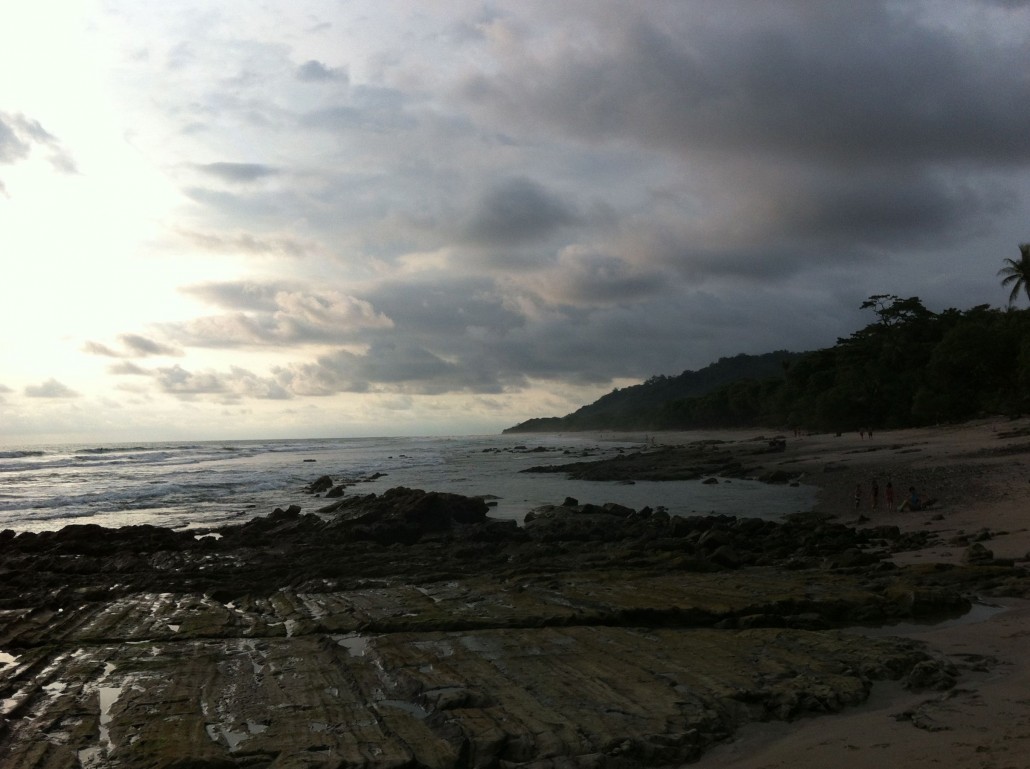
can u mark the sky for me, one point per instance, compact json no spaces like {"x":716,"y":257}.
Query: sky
{"x":344,"y":218}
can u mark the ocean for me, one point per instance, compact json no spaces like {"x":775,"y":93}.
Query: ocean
{"x":185,"y":485}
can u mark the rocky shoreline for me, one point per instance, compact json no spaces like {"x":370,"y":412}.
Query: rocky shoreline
{"x":410,"y":629}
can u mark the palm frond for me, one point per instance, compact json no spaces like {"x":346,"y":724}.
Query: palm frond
{"x":1017,"y":273}
{"x":1015,"y":291}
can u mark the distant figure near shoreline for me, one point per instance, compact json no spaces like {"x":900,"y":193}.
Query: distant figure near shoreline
{"x":914,"y":503}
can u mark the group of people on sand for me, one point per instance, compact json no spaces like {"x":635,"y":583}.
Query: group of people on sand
{"x":913,"y":502}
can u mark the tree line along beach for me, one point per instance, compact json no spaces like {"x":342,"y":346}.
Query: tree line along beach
{"x":410,"y":627}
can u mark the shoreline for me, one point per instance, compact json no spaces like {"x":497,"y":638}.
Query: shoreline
{"x":981,"y":722}
{"x":979,"y":472}
{"x":757,"y":625}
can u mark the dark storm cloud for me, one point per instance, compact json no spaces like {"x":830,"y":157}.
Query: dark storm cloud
{"x":849,"y":86}
{"x":473,"y":336}
{"x":589,"y":278}
{"x":480,"y":337}
{"x":516,"y":211}
{"x":446,"y":307}
{"x":390,"y":363}
{"x":831,"y":130}
{"x":237,"y":172}
{"x":316,"y":72}
{"x":889,"y":207}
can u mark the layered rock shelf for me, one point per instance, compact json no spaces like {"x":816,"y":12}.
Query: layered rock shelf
{"x":411,"y":630}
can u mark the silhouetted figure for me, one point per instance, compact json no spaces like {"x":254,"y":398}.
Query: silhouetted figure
{"x":913,"y":502}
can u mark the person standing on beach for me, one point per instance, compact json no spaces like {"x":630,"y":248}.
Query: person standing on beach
{"x":888,"y":495}
{"x":876,"y":495}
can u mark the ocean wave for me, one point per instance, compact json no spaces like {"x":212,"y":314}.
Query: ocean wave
{"x":112,"y":450}
{"x":19,"y":454}
{"x":194,"y":483}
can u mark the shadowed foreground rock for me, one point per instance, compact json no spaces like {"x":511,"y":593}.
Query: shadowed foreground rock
{"x":409,"y":630}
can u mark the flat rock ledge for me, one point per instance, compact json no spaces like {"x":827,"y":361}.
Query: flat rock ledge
{"x":409,"y":630}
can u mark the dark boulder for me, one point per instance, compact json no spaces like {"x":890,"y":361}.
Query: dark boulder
{"x":321,"y":485}
{"x":403,"y":515}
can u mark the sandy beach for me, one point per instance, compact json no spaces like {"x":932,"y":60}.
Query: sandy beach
{"x":980,"y":475}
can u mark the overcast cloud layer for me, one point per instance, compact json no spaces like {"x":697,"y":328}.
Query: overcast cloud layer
{"x":316,"y":218}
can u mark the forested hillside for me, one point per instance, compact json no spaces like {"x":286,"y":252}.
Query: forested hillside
{"x":638,"y":405}
{"x":909,"y":367}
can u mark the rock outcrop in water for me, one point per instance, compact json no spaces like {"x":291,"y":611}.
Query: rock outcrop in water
{"x":411,"y":630}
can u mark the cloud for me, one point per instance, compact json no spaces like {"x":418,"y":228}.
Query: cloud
{"x":178,"y":381}
{"x":223,"y":386}
{"x":239,"y":173}
{"x":141,"y":346}
{"x":853,"y":86}
{"x":313,"y":71}
{"x":134,"y":346}
{"x":883,"y":126}
{"x":248,"y":244}
{"x":127,"y":368}
{"x":242,"y":295}
{"x":516,"y":211}
{"x":477,"y":336}
{"x":12,"y":146}
{"x":373,"y":109}
{"x":276,"y":316}
{"x":386,"y":367}
{"x":50,"y":389}
{"x":18,"y":136}
{"x":583,"y":277}
{"x":96,"y":348}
